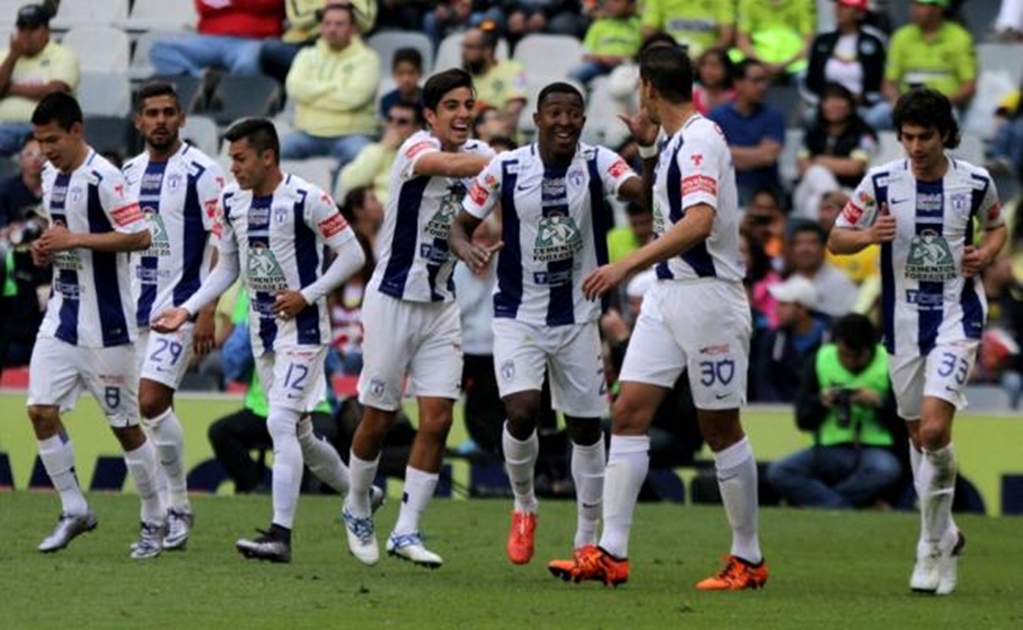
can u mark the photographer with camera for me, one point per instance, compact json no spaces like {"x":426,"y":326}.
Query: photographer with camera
{"x":845,"y":401}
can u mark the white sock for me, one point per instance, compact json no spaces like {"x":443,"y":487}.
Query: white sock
{"x":737,"y":480}
{"x":169,"y":440}
{"x":627,"y":465}
{"x":915,"y":457}
{"x":322,"y":458}
{"x":58,"y":455}
{"x":937,"y":483}
{"x":419,"y":487}
{"x":520,"y":462}
{"x":142,"y":467}
{"x":588,"y":473}
{"x":362,"y":473}
{"x":287,"y":468}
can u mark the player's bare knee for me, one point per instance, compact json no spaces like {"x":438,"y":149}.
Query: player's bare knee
{"x":130,"y":438}
{"x":933,"y":436}
{"x":435,"y":426}
{"x":45,"y":420}
{"x":154,"y":399}
{"x":720,"y":429}
{"x":585,"y":431}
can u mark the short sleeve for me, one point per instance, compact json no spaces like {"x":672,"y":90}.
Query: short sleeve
{"x":990,"y":210}
{"x":966,"y":59}
{"x":121,"y":209}
{"x":861,"y":209}
{"x":700,"y":165}
{"x":614,"y":171}
{"x":208,"y":188}
{"x":413,"y":150}
{"x":485,"y":191}
{"x":725,"y":13}
{"x":65,"y":68}
{"x":893,"y":67}
{"x":323,"y":217}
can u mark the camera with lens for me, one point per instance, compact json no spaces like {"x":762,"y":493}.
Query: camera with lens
{"x":841,"y":398}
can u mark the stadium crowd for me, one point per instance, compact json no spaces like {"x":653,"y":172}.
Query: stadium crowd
{"x":803,"y":91}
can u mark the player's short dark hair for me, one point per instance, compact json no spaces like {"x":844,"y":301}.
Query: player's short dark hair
{"x":152,"y":89}
{"x":407,"y":55}
{"x":260,"y":132}
{"x":443,"y":82}
{"x":669,"y":70}
{"x":559,"y":87}
{"x":855,"y":331}
{"x":927,"y":107}
{"x":800,"y":226}
{"x":416,"y":110}
{"x":59,"y":107}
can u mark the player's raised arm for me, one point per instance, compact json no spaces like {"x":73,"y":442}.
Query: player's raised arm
{"x":863,"y":222}
{"x":639,"y":189}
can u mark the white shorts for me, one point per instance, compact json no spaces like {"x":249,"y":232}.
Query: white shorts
{"x":58,"y":371}
{"x":524,"y":352}
{"x":164,"y":357}
{"x":422,"y":339}
{"x":702,"y":326}
{"x":293,"y":377}
{"x":943,"y":374}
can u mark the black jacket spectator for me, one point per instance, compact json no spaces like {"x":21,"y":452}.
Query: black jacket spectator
{"x":870,"y":54}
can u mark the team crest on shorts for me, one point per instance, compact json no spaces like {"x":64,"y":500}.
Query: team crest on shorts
{"x":508,"y":370}
{"x":376,"y":387}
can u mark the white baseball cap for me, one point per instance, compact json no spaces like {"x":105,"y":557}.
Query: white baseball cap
{"x":796,"y":289}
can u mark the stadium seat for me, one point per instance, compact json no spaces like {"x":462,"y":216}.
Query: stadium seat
{"x":319,"y":171}
{"x":602,"y":124}
{"x":787,"y":100}
{"x":89,"y":13}
{"x":992,"y":56}
{"x":99,"y":48}
{"x":549,"y":57}
{"x":110,"y":133}
{"x":449,"y":53}
{"x":141,"y":67}
{"x":385,"y":43}
{"x":992,"y":87}
{"x":888,"y":148}
{"x":149,"y":15}
{"x":980,"y":19}
{"x":191,"y":91}
{"x":971,"y":149}
{"x":104,"y":94}
{"x":238,"y":96}
{"x":202,"y":132}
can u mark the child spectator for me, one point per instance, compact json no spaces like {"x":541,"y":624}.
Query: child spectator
{"x":610,"y":40}
{"x":406,"y":70}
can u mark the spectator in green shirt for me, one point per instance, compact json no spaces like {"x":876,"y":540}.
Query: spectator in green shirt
{"x":610,"y":40}
{"x":699,"y":25}
{"x":778,"y":33}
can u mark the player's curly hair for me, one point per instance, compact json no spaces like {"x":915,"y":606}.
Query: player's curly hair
{"x":927,"y":107}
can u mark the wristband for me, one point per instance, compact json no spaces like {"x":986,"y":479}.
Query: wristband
{"x":648,"y":152}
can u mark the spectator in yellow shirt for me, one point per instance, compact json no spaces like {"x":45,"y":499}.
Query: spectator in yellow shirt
{"x":500,"y":84}
{"x":334,"y":85}
{"x":33,"y":67}
{"x":610,"y":40}
{"x":372,"y":167}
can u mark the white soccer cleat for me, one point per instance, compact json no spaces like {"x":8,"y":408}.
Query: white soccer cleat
{"x":362,"y":539}
{"x":935,"y":570}
{"x":179,"y":526}
{"x":69,"y":527}
{"x":948,"y":569}
{"x":410,"y":547}
{"x":150,"y":542}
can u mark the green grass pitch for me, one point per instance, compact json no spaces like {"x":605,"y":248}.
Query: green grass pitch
{"x":828,"y":570}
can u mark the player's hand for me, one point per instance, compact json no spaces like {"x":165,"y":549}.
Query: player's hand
{"x":601,"y":280}
{"x":643,"y":130}
{"x":867,"y":397}
{"x":57,"y":238}
{"x":170,"y":320}
{"x":289,"y":304}
{"x":614,"y":326}
{"x":974,"y":261}
{"x":478,"y":257}
{"x":40,"y":258}
{"x":202,"y":337}
{"x":884,"y":229}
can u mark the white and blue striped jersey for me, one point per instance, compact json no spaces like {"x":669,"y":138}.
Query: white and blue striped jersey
{"x":414,"y":262}
{"x":554,"y":228}
{"x":90,"y":301}
{"x":926,"y":300}
{"x":180,"y":199}
{"x":695,"y":167}
{"x":279,"y":242}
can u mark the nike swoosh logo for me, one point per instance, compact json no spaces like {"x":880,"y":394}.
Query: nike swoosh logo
{"x":897,"y":201}
{"x":721,"y":396}
{"x":520,"y":187}
{"x":591,"y":505}
{"x":951,"y":389}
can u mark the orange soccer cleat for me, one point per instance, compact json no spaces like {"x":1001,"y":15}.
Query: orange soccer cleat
{"x":736,"y":576}
{"x":592,"y":563}
{"x":521,"y":538}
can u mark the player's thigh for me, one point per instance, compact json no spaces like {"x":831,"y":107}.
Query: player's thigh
{"x":948,"y":370}
{"x":435,"y":368}
{"x":298,"y":382}
{"x":389,"y":337}
{"x":111,"y":376}
{"x":165,"y":357}
{"x":520,"y":361}
{"x":578,"y":386}
{"x":654,"y":356}
{"x":907,"y":373}
{"x":713,"y":327}
{"x":53,"y":374}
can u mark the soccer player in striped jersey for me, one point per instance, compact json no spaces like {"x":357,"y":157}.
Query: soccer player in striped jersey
{"x":923,"y":211}
{"x":696,"y":318}
{"x":86,"y":338}
{"x":554,"y":231}
{"x":178,"y":188}
{"x":411,"y":322}
{"x":273,"y":231}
